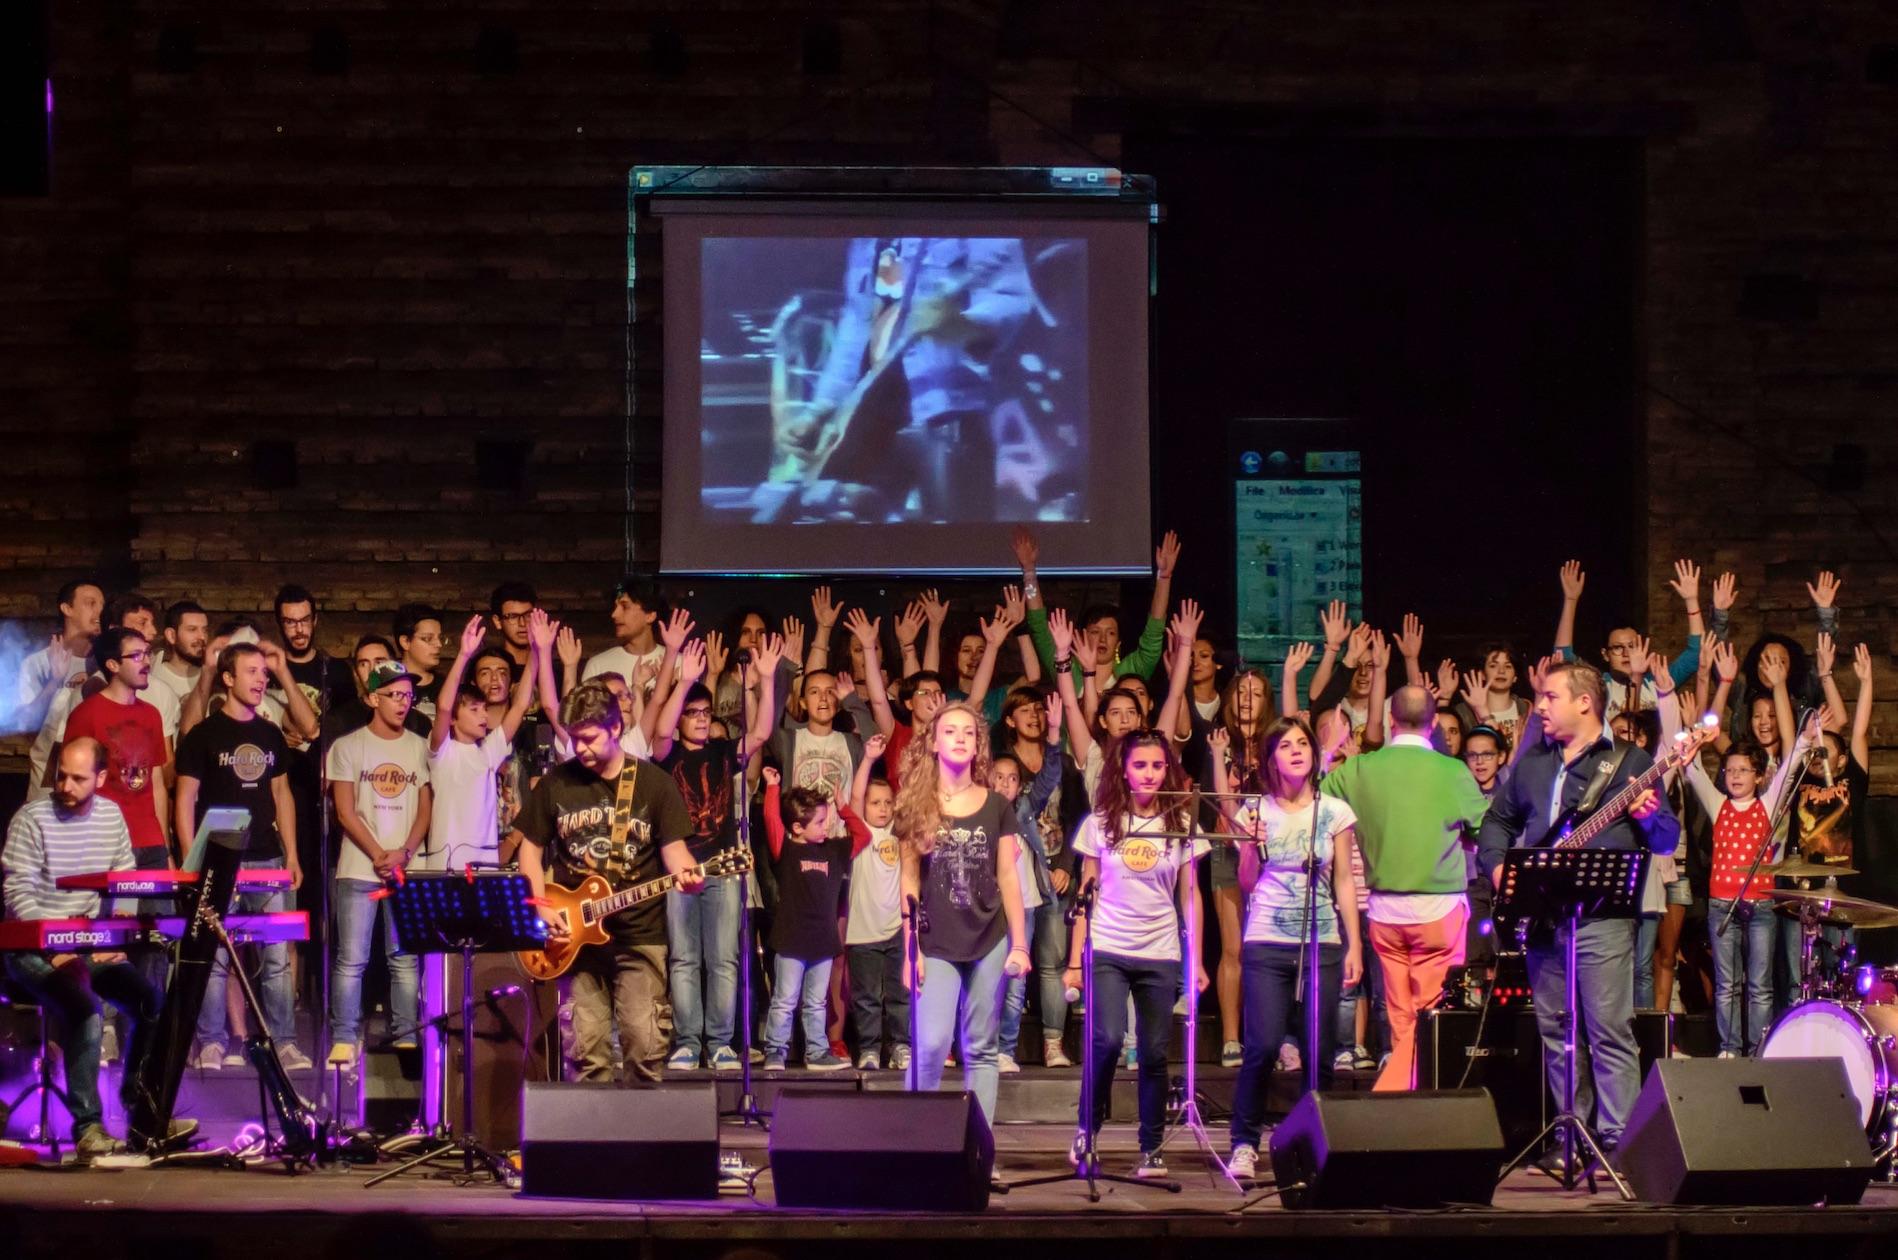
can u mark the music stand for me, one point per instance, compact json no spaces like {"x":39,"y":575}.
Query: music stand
{"x":1566,"y":886}
{"x":465,"y":912}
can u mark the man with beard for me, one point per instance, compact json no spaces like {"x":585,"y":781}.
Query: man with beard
{"x":73,"y":832}
{"x":418,"y":645}
{"x":51,"y":679}
{"x":187,"y":632}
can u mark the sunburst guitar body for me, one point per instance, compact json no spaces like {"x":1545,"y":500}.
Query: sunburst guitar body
{"x":583,"y":911}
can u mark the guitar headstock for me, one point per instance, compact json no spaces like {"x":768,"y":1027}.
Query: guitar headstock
{"x":1688,"y":742}
{"x":732,"y":861}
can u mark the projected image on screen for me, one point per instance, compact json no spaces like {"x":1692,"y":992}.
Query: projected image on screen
{"x":894,"y":380}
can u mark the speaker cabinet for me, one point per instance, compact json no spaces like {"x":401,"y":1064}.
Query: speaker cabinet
{"x":929,"y":1152}
{"x":1746,"y":1131}
{"x":608,"y":1142}
{"x":1417,"y":1150}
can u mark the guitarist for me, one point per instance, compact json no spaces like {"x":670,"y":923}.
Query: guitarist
{"x":609,"y":814}
{"x":1576,"y":763}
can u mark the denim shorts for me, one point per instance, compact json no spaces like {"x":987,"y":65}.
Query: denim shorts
{"x":1680,"y":893}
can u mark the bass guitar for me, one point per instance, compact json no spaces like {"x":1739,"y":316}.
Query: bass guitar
{"x":1572,"y":831}
{"x":583,"y":911}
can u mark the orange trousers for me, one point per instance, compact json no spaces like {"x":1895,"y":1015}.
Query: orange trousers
{"x":1415,"y":958}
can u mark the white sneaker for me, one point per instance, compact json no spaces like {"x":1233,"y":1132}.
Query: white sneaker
{"x":1232,"y":1054}
{"x":869,"y":1061}
{"x":1726,"y":1054}
{"x":1289,"y":1059}
{"x":899,"y":1058}
{"x":1243,"y":1163}
{"x":1343,"y":1061}
{"x":210,"y":1057}
{"x":1052,"y":1055}
{"x":293,"y":1058}
{"x":109,"y":1044}
{"x":1006,"y":1065}
{"x":235,"y":1057}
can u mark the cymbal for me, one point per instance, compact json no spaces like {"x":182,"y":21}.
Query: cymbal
{"x":1835,"y":909}
{"x":1801,"y":868}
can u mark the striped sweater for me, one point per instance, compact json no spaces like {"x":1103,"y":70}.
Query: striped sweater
{"x":43,"y":844}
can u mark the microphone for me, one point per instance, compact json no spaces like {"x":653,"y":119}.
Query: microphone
{"x":744,"y":656}
{"x":1072,"y":995}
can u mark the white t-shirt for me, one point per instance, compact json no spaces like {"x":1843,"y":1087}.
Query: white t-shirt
{"x":35,"y":672}
{"x":52,"y":731}
{"x":166,"y":701}
{"x":876,"y":891}
{"x":389,"y":775}
{"x":1275,"y":912}
{"x":463,"y":819}
{"x":1208,"y":710}
{"x":170,"y":688}
{"x":1133,"y":910}
{"x":617,"y":660}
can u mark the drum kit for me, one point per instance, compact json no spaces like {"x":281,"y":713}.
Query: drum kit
{"x":1846,"y":1012}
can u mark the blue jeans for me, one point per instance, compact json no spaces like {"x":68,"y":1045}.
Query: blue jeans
{"x":72,"y":996}
{"x":1268,"y":982}
{"x":273,"y":978}
{"x":1647,"y":931}
{"x":1016,"y":999}
{"x":1609,"y":1075}
{"x":1049,"y":933}
{"x":1742,"y":959}
{"x":702,"y":932}
{"x":1826,"y":952}
{"x":944,"y":985}
{"x":798,"y":987}
{"x":1370,"y":984}
{"x":356,"y":917}
{"x":1151,"y":986}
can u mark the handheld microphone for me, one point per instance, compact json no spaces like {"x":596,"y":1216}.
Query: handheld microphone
{"x":1072,"y":995}
{"x":744,"y":656}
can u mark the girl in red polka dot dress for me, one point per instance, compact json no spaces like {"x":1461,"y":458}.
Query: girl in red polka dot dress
{"x":1743,"y":821}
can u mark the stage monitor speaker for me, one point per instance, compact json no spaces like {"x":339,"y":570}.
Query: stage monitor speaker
{"x":1417,"y":1150}
{"x":1746,"y":1131}
{"x":608,"y":1142}
{"x":928,"y":1152}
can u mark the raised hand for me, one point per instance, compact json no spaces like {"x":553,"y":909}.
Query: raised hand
{"x":1336,"y":624}
{"x":909,"y":625}
{"x":1825,"y":654}
{"x":691,"y":662}
{"x":645,"y":672}
{"x":1826,"y":591}
{"x":1772,"y":672}
{"x":1084,"y":652}
{"x":1686,"y":582}
{"x":1726,"y":661}
{"x":274,"y":657}
{"x":1476,"y":691}
{"x":674,"y":631}
{"x":864,"y":628}
{"x":874,"y":746}
{"x":1540,"y":671}
{"x":998,"y":630}
{"x":1357,"y":645}
{"x":1219,"y":740}
{"x":1166,"y":555}
{"x":824,"y":610}
{"x":846,"y":685}
{"x":1185,"y":624}
{"x":771,"y":776}
{"x":1638,"y":656}
{"x":1446,"y":677}
{"x":568,"y":647}
{"x":1726,"y":589}
{"x":1017,"y":607}
{"x":1027,"y":550}
{"x":1380,"y":651}
{"x":1862,"y":664}
{"x":1410,"y":638}
{"x":1054,"y":718}
{"x":473,"y":635}
{"x":1297,"y":657}
{"x":936,"y":610}
{"x":715,"y":654}
{"x":793,"y":638}
{"x":1572,"y":580}
{"x":1061,"y":630}
{"x":1815,"y":724}
{"x":1657,"y":665}
{"x":541,"y":630}
{"x":765,"y":657}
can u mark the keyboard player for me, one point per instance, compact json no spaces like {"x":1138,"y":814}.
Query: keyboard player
{"x":74,"y":831}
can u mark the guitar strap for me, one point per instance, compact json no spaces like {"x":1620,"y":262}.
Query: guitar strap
{"x":1605,"y":770}
{"x":623,"y":803}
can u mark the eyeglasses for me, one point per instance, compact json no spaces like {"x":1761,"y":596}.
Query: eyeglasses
{"x":515,"y":618}
{"x":926,"y":693}
{"x":291,"y":623}
{"x":697,"y":710}
{"x":1621,"y":647}
{"x":1481,"y":756}
{"x":143,"y":654}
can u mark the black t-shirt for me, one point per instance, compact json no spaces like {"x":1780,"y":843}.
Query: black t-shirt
{"x":569,"y":815}
{"x":704,"y":778}
{"x":234,"y":763}
{"x":326,"y":682}
{"x":810,"y":878}
{"x":962,"y":897}
{"x":1827,"y":817}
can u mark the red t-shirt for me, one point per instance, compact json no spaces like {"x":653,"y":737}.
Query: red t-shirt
{"x":1737,"y":836}
{"x":134,"y":739}
{"x":893,"y":753}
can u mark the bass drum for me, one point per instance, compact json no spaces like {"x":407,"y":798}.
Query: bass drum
{"x":1864,"y":1038}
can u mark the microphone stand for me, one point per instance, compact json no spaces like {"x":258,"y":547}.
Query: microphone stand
{"x":1190,"y":1120}
{"x":1088,"y":1168}
{"x":747,"y":1110}
{"x":918,"y":924}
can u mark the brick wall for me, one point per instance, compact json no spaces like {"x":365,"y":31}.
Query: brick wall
{"x":389,"y":261}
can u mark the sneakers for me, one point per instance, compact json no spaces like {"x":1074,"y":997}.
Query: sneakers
{"x":1243,"y":1163}
{"x":684,"y":1059}
{"x":841,"y":1050}
{"x":1343,"y":1061}
{"x":899,"y":1059}
{"x":406,"y":1041}
{"x":1289,"y":1058}
{"x":869,"y":1061}
{"x":1726,"y":1054}
{"x":293,"y":1058}
{"x":210,"y":1057}
{"x":1151,"y":1167}
{"x":1232,"y":1054}
{"x":92,"y":1143}
{"x":109,"y":1044}
{"x":773,"y":1061}
{"x":1006,"y":1065}
{"x":825,"y":1062}
{"x":234,"y":1057}
{"x":725,"y":1059}
{"x":1052,"y":1055}
{"x":1361,"y":1060}
{"x":1130,"y":1057}
{"x":342,"y":1055}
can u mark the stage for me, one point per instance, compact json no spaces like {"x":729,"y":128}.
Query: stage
{"x":264,"y":1211}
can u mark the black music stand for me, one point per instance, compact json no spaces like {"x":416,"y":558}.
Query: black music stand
{"x":464,"y":912}
{"x":1565,"y":886}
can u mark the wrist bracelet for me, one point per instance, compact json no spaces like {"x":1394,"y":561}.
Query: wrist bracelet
{"x":1030,"y":591}
{"x":1827,"y":674}
{"x":1062,"y":662}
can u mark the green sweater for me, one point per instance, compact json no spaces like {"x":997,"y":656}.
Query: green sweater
{"x":1413,"y":805}
{"x":1141,"y":660}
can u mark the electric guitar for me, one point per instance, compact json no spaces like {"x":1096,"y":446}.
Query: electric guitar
{"x":1572,"y":831}
{"x":583,"y":911}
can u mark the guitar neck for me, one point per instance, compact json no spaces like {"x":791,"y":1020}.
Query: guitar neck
{"x":606,"y":907}
{"x":1616,"y":805}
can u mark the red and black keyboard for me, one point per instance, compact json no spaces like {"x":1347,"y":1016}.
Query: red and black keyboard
{"x":116,"y":931}
{"x":167,"y":882}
